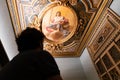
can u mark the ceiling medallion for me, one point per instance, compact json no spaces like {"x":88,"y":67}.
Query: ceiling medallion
{"x":59,"y":22}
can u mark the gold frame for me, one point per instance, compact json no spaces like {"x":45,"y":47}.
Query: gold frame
{"x":15,"y":20}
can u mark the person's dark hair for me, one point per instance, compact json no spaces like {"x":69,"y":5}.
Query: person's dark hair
{"x":30,"y":38}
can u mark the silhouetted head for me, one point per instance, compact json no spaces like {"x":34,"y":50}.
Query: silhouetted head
{"x":30,"y":38}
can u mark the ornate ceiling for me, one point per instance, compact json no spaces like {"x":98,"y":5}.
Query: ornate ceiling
{"x":68,"y":41}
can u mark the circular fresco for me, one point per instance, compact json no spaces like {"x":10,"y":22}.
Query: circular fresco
{"x":59,"y":24}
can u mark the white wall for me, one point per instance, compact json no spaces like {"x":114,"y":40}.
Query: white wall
{"x":115,"y":6}
{"x":71,"y":68}
{"x":88,"y":66}
{"x":6,"y":31}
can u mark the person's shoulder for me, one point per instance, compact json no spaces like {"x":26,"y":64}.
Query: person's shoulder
{"x":44,"y":52}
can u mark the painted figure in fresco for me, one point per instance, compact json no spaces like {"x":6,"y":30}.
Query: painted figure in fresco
{"x":35,"y":22}
{"x":59,"y":24}
{"x":73,"y":2}
{"x":80,"y":28}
